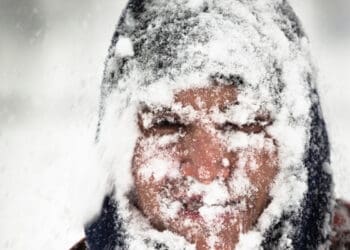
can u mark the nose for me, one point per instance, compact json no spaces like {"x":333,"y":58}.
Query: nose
{"x":205,"y":154}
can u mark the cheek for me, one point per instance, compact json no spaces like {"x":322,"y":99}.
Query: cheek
{"x":146,"y":188}
{"x":147,"y":149}
{"x":151,"y":166}
{"x":261,"y":168}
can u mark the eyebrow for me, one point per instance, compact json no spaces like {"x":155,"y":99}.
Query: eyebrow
{"x":168,"y":110}
{"x":230,"y":79}
{"x":157,"y":109}
{"x":162,"y":112}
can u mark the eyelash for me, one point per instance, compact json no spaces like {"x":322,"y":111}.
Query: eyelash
{"x":251,"y":128}
{"x":163,"y":126}
{"x":167,"y":123}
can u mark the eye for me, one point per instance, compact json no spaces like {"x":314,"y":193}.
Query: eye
{"x":252,"y":128}
{"x":249,"y":128}
{"x":227,"y":126}
{"x":166,"y":125}
{"x":161,"y":124}
{"x":166,"y":122}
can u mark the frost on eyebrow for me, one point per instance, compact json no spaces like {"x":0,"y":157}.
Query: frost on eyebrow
{"x":236,"y":114}
{"x":152,"y":115}
{"x":149,"y":115}
{"x":244,"y":111}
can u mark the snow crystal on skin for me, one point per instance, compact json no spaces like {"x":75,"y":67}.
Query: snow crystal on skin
{"x":213,"y":239}
{"x":168,"y":139}
{"x":199,"y":102}
{"x":225,"y":162}
{"x":253,"y":165}
{"x":124,"y":47}
{"x":247,"y":160}
{"x":158,"y":169}
{"x":240,"y":184}
{"x":239,"y":140}
{"x":152,"y":144}
{"x":231,"y":114}
{"x":213,"y":193}
{"x":210,"y":214}
{"x":242,"y":160}
{"x":169,"y":209}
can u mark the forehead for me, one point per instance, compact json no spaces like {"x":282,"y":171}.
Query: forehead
{"x":207,"y":97}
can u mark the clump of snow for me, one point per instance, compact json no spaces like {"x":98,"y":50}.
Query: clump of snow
{"x":237,"y":114}
{"x":124,"y":47}
{"x":250,"y":241}
{"x":239,"y":139}
{"x":170,"y":209}
{"x":211,"y":213}
{"x":195,"y":4}
{"x":158,"y":169}
{"x":147,"y":119}
{"x":225,"y":162}
{"x":214,"y":193}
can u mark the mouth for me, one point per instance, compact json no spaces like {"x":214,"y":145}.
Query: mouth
{"x":194,"y":203}
{"x":195,"y":209}
{"x":191,"y":206}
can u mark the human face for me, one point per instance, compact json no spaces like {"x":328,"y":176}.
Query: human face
{"x":199,"y":174}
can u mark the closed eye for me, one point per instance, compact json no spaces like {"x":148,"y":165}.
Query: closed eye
{"x":249,"y":128}
{"x":161,"y":124}
{"x":166,"y":123}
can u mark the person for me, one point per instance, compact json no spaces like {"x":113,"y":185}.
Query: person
{"x":211,"y":129}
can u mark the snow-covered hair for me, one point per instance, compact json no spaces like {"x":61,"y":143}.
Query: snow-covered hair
{"x":162,"y":46}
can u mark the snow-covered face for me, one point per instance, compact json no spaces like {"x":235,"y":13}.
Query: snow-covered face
{"x":200,"y":172}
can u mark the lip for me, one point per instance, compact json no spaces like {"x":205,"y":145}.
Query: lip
{"x":192,"y":203}
{"x":192,"y":215}
{"x":190,"y":207}
{"x":196,"y":216}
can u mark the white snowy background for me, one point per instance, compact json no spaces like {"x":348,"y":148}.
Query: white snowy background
{"x":51,"y":63}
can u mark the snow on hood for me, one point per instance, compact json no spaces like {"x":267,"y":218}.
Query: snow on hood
{"x":160,"y":47}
